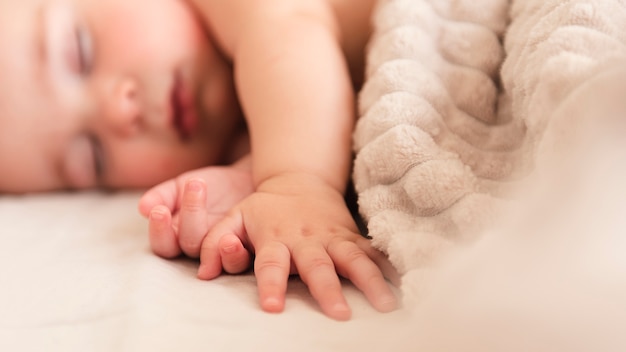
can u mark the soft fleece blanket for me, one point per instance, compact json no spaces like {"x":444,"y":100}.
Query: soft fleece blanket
{"x":490,"y":167}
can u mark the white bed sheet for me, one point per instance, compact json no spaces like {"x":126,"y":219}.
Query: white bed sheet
{"x":77,"y":274}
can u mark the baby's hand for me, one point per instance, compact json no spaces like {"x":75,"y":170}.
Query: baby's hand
{"x":299,"y":224}
{"x":181,"y":211}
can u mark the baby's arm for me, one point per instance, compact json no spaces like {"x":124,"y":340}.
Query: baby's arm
{"x":296,"y":92}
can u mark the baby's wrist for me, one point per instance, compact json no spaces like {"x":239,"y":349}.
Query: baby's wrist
{"x":296,"y":183}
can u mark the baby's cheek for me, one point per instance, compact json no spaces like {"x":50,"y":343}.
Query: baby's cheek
{"x":137,"y":173}
{"x":79,"y":164}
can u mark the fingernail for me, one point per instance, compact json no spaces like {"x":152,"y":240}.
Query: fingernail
{"x":230,"y":249}
{"x":157,"y":215}
{"x":194,"y":185}
{"x":341,"y":312}
{"x":204,"y":272}
{"x":388,"y":303}
{"x":341,"y":307}
{"x":272,"y":304}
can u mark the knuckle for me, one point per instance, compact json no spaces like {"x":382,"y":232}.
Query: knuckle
{"x":268,"y":264}
{"x":318,"y":264}
{"x":355,"y":255}
{"x":192,"y":206}
{"x":348,"y":252}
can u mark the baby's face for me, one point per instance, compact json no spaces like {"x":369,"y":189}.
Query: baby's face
{"x":110,"y":93}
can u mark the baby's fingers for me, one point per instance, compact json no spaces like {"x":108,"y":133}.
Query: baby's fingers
{"x":192,"y":218}
{"x":317,"y":270}
{"x":381,"y":260}
{"x":163,"y":240}
{"x":354,"y":264}
{"x":223,"y":248}
{"x":271,"y":268}
{"x":235,"y":257}
{"x":163,"y":194}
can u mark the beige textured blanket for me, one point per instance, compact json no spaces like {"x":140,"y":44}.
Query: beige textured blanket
{"x":491,"y":119}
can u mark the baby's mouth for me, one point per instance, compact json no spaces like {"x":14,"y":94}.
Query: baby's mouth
{"x":183,"y":117}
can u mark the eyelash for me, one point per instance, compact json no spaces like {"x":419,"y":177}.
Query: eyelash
{"x":98,"y":159}
{"x":83,"y":52}
{"x":84,"y":66}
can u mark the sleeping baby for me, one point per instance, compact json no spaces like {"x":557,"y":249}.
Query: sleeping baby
{"x":241,"y":112}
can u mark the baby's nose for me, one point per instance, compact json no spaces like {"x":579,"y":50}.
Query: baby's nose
{"x":124,"y":112}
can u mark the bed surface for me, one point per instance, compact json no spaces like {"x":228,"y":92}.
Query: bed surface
{"x":77,"y":274}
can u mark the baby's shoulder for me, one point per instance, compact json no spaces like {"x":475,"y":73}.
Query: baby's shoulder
{"x":230,"y":20}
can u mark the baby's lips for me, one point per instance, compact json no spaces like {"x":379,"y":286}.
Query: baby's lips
{"x":184,"y":116}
